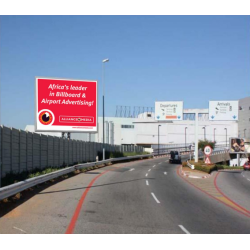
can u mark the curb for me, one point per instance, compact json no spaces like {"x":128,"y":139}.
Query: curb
{"x":193,"y":176}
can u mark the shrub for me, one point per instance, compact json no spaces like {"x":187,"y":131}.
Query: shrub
{"x":202,"y":144}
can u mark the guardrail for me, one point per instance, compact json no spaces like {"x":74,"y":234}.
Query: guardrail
{"x":15,"y":188}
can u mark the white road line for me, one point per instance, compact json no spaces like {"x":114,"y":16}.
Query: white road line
{"x":20,"y":230}
{"x":153,"y":166}
{"x":184,"y":229}
{"x":155,"y":198}
{"x":147,"y":182}
{"x":149,"y":170}
{"x":146,"y":175}
{"x":131,"y":169}
{"x":248,"y":179}
{"x":160,"y":163}
{"x":165,"y":173}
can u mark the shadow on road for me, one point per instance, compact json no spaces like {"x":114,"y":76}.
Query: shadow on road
{"x":94,"y":186}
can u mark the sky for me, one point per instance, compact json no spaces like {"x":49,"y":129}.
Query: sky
{"x":192,"y":59}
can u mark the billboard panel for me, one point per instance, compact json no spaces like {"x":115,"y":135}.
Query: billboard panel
{"x":239,"y":145}
{"x":65,"y":105}
{"x":223,"y":110}
{"x":169,"y":111}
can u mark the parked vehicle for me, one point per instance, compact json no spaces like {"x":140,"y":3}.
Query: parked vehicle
{"x":246,"y":166}
{"x":175,"y":157}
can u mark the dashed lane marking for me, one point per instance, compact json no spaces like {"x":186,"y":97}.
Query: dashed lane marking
{"x":131,"y":169}
{"x":184,"y":229}
{"x":149,"y":170}
{"x":155,"y":198}
{"x":153,"y":166}
{"x":165,"y":173}
{"x":19,"y":229}
{"x":147,"y":182}
{"x":146,"y":175}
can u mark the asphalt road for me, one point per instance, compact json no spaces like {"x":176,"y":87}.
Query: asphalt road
{"x":138,"y":197}
{"x":236,"y":186}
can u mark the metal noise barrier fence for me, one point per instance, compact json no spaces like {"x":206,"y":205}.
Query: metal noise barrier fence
{"x":13,"y":189}
{"x":25,"y":151}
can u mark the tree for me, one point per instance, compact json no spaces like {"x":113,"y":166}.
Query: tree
{"x":203,"y":143}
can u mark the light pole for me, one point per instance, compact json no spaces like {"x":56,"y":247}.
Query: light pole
{"x":185,"y":138}
{"x":204,"y":133}
{"x":226,"y":136}
{"x":159,"y":139}
{"x":103,"y":121}
{"x":245,"y":133}
{"x":214,"y":134}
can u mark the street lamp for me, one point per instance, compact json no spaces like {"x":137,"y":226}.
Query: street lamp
{"x":204,"y":133}
{"x":185,"y":139}
{"x":159,"y":139}
{"x":226,"y":136}
{"x":214,"y":134}
{"x":245,"y":133}
{"x":103,"y":83}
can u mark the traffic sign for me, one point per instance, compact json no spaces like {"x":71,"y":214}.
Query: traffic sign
{"x":65,"y":105}
{"x":207,"y":161}
{"x":208,"y":150}
{"x":223,"y":110}
{"x":169,"y":111}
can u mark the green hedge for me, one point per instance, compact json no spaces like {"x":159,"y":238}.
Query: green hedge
{"x":209,"y":168}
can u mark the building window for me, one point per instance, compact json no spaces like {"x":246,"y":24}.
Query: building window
{"x":127,"y":126}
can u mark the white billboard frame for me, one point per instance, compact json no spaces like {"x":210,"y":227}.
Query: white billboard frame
{"x":64,"y":130}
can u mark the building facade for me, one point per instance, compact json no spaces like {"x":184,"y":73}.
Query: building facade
{"x":244,"y":118}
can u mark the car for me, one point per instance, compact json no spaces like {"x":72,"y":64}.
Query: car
{"x":246,"y":166}
{"x":175,"y":157}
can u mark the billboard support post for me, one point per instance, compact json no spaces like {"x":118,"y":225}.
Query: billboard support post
{"x":238,"y":159}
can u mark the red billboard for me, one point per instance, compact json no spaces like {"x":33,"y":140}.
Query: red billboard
{"x":65,"y":105}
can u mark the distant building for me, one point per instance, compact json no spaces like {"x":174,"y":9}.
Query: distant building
{"x":143,"y":130}
{"x":244,"y":118}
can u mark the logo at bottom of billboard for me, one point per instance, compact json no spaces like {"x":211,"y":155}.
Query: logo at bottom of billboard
{"x":239,"y":145}
{"x":46,"y":117}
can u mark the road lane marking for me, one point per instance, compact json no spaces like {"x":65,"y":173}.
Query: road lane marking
{"x":153,"y":166}
{"x":131,"y":169}
{"x":147,"y":182}
{"x":149,"y":170}
{"x":155,"y":198}
{"x":19,"y":229}
{"x":146,"y":175}
{"x":160,"y":163}
{"x":184,"y":229}
{"x":248,"y":179}
{"x":165,"y":173}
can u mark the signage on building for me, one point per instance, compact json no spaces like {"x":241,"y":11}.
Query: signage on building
{"x":223,"y":110}
{"x":65,"y":105}
{"x":169,"y":111}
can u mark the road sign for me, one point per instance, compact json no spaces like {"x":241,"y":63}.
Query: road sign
{"x":208,"y":150}
{"x":65,"y":105}
{"x":207,"y":161}
{"x":169,"y":111}
{"x":223,"y":110}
